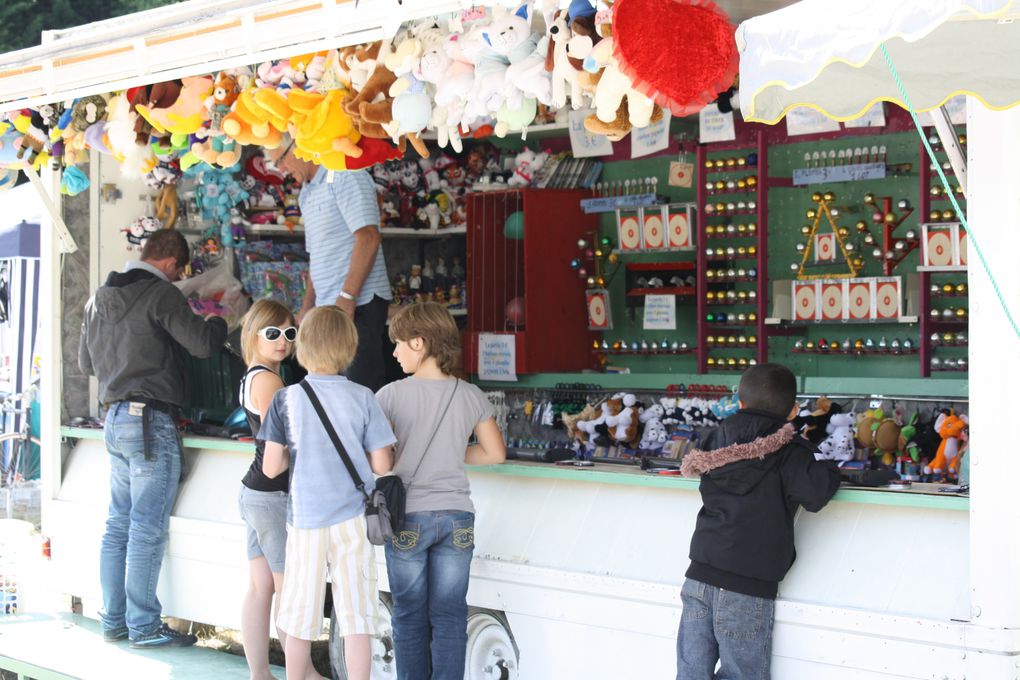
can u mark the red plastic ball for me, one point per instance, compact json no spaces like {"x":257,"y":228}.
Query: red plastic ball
{"x":515,"y":312}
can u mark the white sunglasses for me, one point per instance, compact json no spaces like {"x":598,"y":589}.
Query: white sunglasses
{"x":272,"y":333}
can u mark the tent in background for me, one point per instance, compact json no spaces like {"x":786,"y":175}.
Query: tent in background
{"x":19,"y":295}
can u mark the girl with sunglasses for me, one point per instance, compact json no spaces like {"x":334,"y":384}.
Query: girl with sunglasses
{"x":267,"y":338}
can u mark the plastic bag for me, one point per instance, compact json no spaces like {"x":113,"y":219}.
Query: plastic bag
{"x":216,"y":291}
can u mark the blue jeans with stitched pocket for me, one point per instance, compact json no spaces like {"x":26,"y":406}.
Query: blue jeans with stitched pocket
{"x":721,"y":625}
{"x":142,"y":493}
{"x":428,"y":564}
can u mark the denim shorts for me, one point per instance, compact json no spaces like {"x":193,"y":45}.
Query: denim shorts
{"x":265,"y":513}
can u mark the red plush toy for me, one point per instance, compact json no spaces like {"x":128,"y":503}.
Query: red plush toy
{"x":679,"y":53}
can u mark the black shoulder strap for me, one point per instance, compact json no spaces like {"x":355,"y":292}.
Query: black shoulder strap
{"x":434,"y":431}
{"x":351,"y":470}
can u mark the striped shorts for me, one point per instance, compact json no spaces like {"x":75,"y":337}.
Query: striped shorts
{"x":342,"y":553}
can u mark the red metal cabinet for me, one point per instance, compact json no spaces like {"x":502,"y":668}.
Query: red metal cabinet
{"x":529,"y":261}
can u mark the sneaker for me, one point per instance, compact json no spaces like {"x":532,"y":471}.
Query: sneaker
{"x":164,"y":636}
{"x":115,"y":634}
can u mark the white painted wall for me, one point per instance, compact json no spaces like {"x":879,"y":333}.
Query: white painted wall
{"x":993,"y":203}
{"x":113,"y":249}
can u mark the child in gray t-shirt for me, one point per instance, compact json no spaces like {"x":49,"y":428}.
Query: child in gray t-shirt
{"x":433,"y":415}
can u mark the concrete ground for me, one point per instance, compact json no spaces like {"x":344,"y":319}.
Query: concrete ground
{"x":25,"y":505}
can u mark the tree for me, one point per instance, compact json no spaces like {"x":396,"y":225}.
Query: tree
{"x":23,"y":21}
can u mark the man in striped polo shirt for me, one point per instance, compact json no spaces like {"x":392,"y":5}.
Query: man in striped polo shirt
{"x":347,"y":268}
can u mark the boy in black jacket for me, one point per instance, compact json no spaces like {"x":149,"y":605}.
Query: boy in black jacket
{"x":755,"y":472}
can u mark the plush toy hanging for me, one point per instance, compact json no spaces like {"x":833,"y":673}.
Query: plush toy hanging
{"x":680,"y":53}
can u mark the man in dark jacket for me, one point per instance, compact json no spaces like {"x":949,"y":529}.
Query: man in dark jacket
{"x":755,"y":473}
{"x":137,"y":329}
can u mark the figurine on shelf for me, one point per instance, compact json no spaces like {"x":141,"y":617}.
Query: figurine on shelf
{"x":454,"y":299}
{"x":428,"y":277}
{"x":456,"y":269}
{"x":440,"y":278}
{"x":414,"y":281}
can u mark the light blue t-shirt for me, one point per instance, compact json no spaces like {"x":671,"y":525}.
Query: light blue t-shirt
{"x":322,"y":493}
{"x":332,"y":212}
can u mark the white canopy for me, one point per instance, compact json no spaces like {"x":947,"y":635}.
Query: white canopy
{"x":826,"y":55}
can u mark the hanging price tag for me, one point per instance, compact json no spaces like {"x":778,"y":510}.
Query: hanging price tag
{"x":681,"y":174}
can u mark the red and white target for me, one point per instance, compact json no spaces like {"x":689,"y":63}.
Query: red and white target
{"x":629,"y":232}
{"x":825,"y":247}
{"x":805,"y":301}
{"x":655,"y":231}
{"x":963,"y":246}
{"x":887,"y":299}
{"x":938,"y":251}
{"x":599,"y":318}
{"x":859,"y":299}
{"x":679,"y":230}
{"x":832,"y":301}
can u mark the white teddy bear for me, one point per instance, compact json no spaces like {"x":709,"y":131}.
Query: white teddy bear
{"x":528,"y":163}
{"x":839,"y":445}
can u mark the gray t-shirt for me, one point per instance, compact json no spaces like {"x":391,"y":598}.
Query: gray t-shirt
{"x":413,"y":405}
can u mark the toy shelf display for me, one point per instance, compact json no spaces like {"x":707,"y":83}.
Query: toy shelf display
{"x":909,"y":440}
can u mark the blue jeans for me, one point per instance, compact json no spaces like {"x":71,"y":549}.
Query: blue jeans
{"x":142,"y":493}
{"x":719,"y":624}
{"x":428,"y":564}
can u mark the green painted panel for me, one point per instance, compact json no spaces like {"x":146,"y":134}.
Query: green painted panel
{"x":787,"y":215}
{"x":624,"y":476}
{"x":636,"y":380}
{"x":213,"y":443}
{"x":630,"y":477}
{"x":628,"y":319}
{"x":886,"y":386}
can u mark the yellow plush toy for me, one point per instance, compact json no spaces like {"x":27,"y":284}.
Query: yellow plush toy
{"x":301,"y":103}
{"x":248,"y":123}
{"x":327,"y":135}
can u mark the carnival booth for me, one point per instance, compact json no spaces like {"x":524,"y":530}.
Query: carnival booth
{"x":620,"y":225}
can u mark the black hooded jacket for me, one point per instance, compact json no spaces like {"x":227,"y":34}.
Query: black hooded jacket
{"x":137,"y":331}
{"x":755,"y":473}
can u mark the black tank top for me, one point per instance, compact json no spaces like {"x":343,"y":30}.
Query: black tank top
{"x":255,"y":479}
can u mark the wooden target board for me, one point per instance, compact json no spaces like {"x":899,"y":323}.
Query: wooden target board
{"x":629,"y":230}
{"x":679,"y":229}
{"x":832,"y":300}
{"x":654,"y":229}
{"x":944,"y":246}
{"x":888,"y":298}
{"x":600,"y":317}
{"x":805,"y":301}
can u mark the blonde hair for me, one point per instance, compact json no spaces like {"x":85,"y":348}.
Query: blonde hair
{"x":263,"y":313}
{"x":433,"y":323}
{"x":327,"y":340}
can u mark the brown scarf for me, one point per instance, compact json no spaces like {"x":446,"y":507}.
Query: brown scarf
{"x":698,"y":462}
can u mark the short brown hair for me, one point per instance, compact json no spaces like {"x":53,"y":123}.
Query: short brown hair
{"x":433,"y":323}
{"x":167,"y":243}
{"x":263,"y":313}
{"x":327,"y":340}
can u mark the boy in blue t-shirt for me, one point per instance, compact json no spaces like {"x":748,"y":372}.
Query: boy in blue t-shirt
{"x":326,"y":513}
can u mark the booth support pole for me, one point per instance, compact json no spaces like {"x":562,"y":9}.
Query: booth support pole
{"x":993,"y":207}
{"x":51,"y":248}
